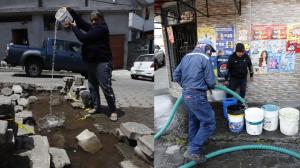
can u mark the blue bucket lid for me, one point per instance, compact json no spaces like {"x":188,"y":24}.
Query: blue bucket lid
{"x":270,"y":107}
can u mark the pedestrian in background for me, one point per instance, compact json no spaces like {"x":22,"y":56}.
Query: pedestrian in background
{"x":238,"y":65}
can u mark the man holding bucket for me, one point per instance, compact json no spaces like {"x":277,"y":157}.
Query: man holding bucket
{"x":96,"y":52}
{"x":195,"y":74}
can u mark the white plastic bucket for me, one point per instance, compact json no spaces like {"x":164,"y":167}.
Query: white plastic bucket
{"x":63,"y":16}
{"x":289,"y":121}
{"x":218,"y":95}
{"x":271,"y":117}
{"x":254,"y":120}
{"x":236,"y":118}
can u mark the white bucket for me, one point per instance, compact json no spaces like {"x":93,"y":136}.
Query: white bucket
{"x":254,"y":120}
{"x":289,"y":121}
{"x":63,"y":16}
{"x":218,"y":95}
{"x":271,"y":117}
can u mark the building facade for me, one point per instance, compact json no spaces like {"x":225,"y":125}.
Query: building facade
{"x":32,"y":21}
{"x":249,"y":20}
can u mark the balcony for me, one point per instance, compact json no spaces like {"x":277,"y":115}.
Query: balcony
{"x":136,"y":22}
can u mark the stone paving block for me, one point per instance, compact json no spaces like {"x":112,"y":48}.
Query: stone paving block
{"x":133,"y":130}
{"x":23,"y":102}
{"x":60,"y":157}
{"x":14,"y":97}
{"x":6,"y":107}
{"x":3,"y":130}
{"x":142,"y":155}
{"x":32,"y":99}
{"x":146,"y":144}
{"x":127,"y":164}
{"x":18,"y":108}
{"x":6,"y":91}
{"x":17,"y":89}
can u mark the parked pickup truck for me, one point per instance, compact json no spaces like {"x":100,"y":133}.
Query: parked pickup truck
{"x":68,"y":57}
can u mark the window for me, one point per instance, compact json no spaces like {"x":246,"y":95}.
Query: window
{"x":73,"y":47}
{"x":23,"y":18}
{"x":147,"y":14}
{"x":145,"y":58}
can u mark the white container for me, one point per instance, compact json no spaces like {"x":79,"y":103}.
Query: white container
{"x":209,"y":96}
{"x":271,"y":117}
{"x":289,"y":121}
{"x":88,"y":141}
{"x":218,"y":95}
{"x":63,"y":16}
{"x":254,"y":120}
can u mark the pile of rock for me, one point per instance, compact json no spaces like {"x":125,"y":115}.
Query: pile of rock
{"x":40,"y":154}
{"x":17,"y":134}
{"x":140,"y":137}
{"x":76,"y":92}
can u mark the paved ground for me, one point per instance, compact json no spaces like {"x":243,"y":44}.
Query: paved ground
{"x":175,"y":137}
{"x":129,"y":92}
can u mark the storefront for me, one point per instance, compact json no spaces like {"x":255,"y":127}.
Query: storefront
{"x":269,"y":29}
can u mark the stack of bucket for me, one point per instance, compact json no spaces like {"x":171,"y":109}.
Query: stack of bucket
{"x":265,"y":118}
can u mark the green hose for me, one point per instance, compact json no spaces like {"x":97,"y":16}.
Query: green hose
{"x":170,"y":119}
{"x":245,"y":147}
{"x":224,"y":88}
{"x":179,"y":101}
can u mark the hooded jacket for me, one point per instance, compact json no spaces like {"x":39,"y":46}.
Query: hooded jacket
{"x":195,"y":71}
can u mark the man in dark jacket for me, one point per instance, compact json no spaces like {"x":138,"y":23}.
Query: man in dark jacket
{"x":96,"y":52}
{"x":238,"y":65}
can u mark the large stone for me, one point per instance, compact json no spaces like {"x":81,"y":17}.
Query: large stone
{"x":6,"y":107}
{"x":24,"y":129}
{"x":14,"y":97}
{"x":133,"y":130}
{"x":85,"y":98}
{"x":23,"y":102}
{"x":146,"y":144}
{"x":18,"y":108}
{"x":32,"y":99}
{"x":39,"y":156}
{"x":3,"y":130}
{"x":127,"y":164}
{"x":173,"y":149}
{"x":6,"y":91}
{"x":89,"y":141}
{"x":142,"y":155}
{"x":60,"y":157}
{"x":17,"y":89}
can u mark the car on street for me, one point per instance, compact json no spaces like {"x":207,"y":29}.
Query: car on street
{"x":143,"y":66}
{"x":35,"y":60}
{"x":159,"y":56}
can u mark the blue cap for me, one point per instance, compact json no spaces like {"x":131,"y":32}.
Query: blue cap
{"x":207,"y":42}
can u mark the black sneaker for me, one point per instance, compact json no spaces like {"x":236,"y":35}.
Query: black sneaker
{"x":199,"y":158}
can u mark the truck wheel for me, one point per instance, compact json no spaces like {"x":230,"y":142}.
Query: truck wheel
{"x":33,"y":68}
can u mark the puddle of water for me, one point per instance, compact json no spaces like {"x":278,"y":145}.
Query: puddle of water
{"x":64,"y":137}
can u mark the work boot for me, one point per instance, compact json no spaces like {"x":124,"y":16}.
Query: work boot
{"x":198,"y":158}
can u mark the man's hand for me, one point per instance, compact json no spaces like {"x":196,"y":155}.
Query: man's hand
{"x":226,"y":83}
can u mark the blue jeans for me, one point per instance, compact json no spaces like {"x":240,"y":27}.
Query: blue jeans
{"x":201,"y":119}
